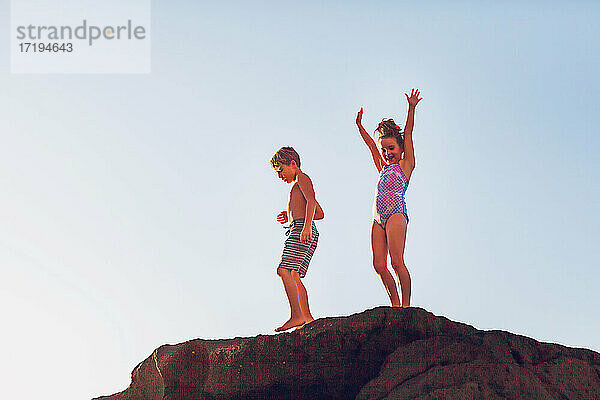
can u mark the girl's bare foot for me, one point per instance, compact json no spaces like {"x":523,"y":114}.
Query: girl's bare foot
{"x":291,"y":323}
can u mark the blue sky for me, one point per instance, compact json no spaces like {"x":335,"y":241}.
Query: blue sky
{"x":140,"y":210}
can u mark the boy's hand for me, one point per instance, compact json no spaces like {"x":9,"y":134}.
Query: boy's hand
{"x":414,"y":99}
{"x":359,"y":117}
{"x":282,"y":217}
{"x":305,"y":235}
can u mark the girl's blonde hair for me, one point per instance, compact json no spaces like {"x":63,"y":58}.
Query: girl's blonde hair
{"x":387,"y":128}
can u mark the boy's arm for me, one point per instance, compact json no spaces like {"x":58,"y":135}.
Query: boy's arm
{"x":377,"y":160}
{"x":409,"y":151}
{"x":306,"y":187}
{"x":319,"y":214}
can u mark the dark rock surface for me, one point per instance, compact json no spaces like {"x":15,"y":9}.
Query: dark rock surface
{"x":383,"y":353}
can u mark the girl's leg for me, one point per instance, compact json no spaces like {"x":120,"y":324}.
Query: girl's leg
{"x":380,"y":249}
{"x":396,"y":238}
{"x":303,"y":297}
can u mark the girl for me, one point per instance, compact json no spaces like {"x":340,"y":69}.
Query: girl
{"x":388,"y":232}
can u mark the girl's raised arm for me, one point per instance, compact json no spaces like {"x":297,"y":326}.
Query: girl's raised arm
{"x":377,"y":160}
{"x":409,"y":151}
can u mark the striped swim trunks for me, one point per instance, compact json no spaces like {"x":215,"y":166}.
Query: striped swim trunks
{"x":296,"y":255}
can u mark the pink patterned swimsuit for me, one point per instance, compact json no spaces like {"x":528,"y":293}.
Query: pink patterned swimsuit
{"x":389,"y":198}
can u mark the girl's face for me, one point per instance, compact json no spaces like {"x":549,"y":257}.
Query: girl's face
{"x":390,"y":150}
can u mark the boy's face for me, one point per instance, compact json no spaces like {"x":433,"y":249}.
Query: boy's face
{"x":390,"y":150}
{"x":286,"y":172}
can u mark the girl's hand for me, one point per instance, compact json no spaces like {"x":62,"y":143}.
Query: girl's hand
{"x":305,"y":235}
{"x":414,"y":99}
{"x":359,"y":117}
{"x":282,"y":217}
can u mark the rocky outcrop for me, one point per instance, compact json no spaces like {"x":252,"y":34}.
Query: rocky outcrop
{"x":383,"y":353}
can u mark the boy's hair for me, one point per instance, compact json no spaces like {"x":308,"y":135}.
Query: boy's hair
{"x":285,"y":155}
{"x":387,"y":128}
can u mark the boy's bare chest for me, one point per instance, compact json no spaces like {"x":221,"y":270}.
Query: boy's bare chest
{"x":296,"y":199}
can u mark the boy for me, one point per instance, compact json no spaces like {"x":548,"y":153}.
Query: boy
{"x":303,"y":236}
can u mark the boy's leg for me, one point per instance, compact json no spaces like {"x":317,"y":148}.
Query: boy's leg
{"x":380,"y":249}
{"x":291,"y":290}
{"x":396,"y":236}
{"x":303,"y":297}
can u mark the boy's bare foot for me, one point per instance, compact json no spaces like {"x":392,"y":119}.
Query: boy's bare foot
{"x":291,"y":323}
{"x":300,"y":327}
{"x":306,"y":322}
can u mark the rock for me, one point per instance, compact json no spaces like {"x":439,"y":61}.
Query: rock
{"x":383,"y":353}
